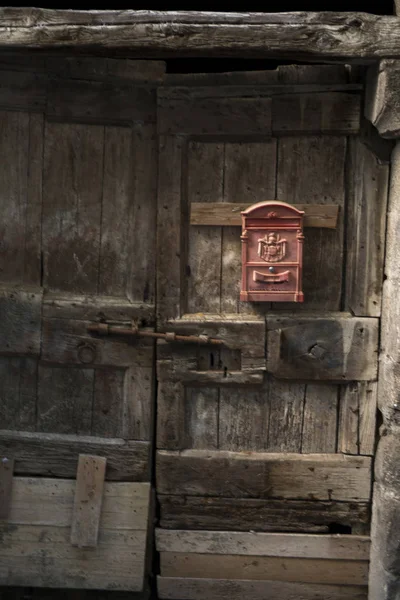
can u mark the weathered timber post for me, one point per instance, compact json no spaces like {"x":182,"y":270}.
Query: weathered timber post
{"x":383,"y":109}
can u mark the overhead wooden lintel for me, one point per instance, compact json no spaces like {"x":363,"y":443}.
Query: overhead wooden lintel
{"x":329,"y":36}
{"x":228,"y":214}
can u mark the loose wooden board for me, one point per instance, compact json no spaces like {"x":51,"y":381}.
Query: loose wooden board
{"x":36,"y":549}
{"x":228,"y":214}
{"x":263,"y":475}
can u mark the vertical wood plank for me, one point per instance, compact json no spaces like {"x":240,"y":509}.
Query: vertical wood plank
{"x":201,"y":418}
{"x":320,"y":419}
{"x":14,"y":153}
{"x":65,"y":397}
{"x":108,"y":402}
{"x":205,"y":184}
{"x":368,"y":410}
{"x":6,"y":478}
{"x":249,"y":176}
{"x":33,"y":240}
{"x":142,"y":248}
{"x":311,"y":171}
{"x":138,"y":403}
{"x":286,"y":416}
{"x":18,"y":385}
{"x":348,"y":441}
{"x":169,"y":228}
{"x":72,"y":199}
{"x":243,"y":419}
{"x":170,"y":414}
{"x":116,"y":211}
{"x":366,"y":214}
{"x":88,"y":500}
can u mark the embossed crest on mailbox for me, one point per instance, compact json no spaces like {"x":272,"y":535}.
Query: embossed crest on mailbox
{"x":272,"y":253}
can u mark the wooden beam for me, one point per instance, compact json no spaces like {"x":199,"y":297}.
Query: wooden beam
{"x":6,"y":479}
{"x":228,"y":214}
{"x":285,"y":545}
{"x":300,"y":35}
{"x":264,"y":475}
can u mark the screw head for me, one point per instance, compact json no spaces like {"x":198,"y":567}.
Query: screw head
{"x":271,"y":269}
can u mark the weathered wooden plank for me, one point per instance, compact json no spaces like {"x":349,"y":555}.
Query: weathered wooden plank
{"x":103,"y":69}
{"x":55,"y":455}
{"x":72,"y":199}
{"x":368,"y":417}
{"x":332,"y":112}
{"x":65,"y":399}
{"x":20,"y":322}
{"x":141,"y":275}
{"x":320,"y":419}
{"x":170,"y":407}
{"x":175,"y":588}
{"x":263,"y":475}
{"x":39,"y":525}
{"x":88,"y":500}
{"x":284,"y":545}
{"x":169,"y":225}
{"x":201,"y":422}
{"x":205,"y":181}
{"x":96,"y":308}
{"x":301,"y":163}
{"x":349,"y":417}
{"x":6,"y":481}
{"x":100,"y":102}
{"x":68,"y":342}
{"x":244,"y":514}
{"x":138,"y":403}
{"x":256,"y":568}
{"x":338,"y":348}
{"x":33,"y":232}
{"x":214,"y":116}
{"x":228,"y":213}
{"x":243,"y":419}
{"x":272,"y":90}
{"x":18,"y":389}
{"x":286,"y":415}
{"x":347,"y":36}
{"x":366,"y":230}
{"x":249,"y":176}
{"x":108,"y":403}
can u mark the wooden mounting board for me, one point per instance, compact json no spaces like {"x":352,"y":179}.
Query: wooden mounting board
{"x":228,"y":214}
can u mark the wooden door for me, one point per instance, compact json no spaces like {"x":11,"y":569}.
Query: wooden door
{"x":274,"y":432}
{"x":78,"y":206}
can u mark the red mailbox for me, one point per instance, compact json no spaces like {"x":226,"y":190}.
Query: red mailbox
{"x":272,"y":253}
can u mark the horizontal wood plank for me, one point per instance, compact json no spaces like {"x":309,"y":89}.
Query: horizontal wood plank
{"x":36,"y":548}
{"x":338,"y":547}
{"x":249,"y":514}
{"x":228,"y":214}
{"x":346,"y":36}
{"x":57,"y":455}
{"x":175,"y":588}
{"x":263,"y":475}
{"x":303,"y":570}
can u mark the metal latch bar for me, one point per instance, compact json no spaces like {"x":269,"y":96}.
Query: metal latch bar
{"x":105,"y":329}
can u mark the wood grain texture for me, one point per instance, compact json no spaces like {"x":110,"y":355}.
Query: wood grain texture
{"x":6,"y":481}
{"x":338,"y":348}
{"x":366,"y":225}
{"x":20,"y":321}
{"x":330,"y":547}
{"x":311,"y":171}
{"x":107,"y":418}
{"x":358,"y":418}
{"x":228,"y":213}
{"x":88,"y":500}
{"x":39,"y":526}
{"x":201,"y":418}
{"x":320,"y":419}
{"x":213,"y":116}
{"x":56,"y":455}
{"x":243,"y":419}
{"x":138,"y":403}
{"x":18,"y":392}
{"x":244,"y":514}
{"x":263,"y":475}
{"x":72,"y":199}
{"x":175,"y":588}
{"x":286,"y":416}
